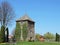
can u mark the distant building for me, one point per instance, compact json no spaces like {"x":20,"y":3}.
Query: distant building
{"x":42,"y":38}
{"x":10,"y":38}
{"x":30,"y":26}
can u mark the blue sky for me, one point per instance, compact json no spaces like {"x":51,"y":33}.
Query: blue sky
{"x":45,"y":13}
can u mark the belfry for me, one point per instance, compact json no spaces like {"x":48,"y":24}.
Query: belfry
{"x":29,"y":27}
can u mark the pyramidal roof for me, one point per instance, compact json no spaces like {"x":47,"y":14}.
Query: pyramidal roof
{"x":25,"y":17}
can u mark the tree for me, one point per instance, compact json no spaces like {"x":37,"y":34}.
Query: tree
{"x":37,"y":36}
{"x":6,"y":35}
{"x":24,"y":30}
{"x":17,"y":32}
{"x":57,"y":37}
{"x":49,"y":36}
{"x":6,"y":16}
{"x":6,"y":13}
{"x":2,"y":34}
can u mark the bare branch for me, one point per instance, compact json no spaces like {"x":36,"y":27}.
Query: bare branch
{"x":6,"y":13}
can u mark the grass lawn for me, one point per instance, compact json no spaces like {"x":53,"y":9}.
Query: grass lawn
{"x":34,"y":43}
{"x":37,"y":43}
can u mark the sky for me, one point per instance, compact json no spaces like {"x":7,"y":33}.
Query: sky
{"x":45,"y":13}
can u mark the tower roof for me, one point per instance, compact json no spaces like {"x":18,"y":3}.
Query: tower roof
{"x":25,"y":17}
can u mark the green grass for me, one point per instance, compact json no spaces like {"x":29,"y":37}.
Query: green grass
{"x":34,"y":43}
{"x":37,"y":43}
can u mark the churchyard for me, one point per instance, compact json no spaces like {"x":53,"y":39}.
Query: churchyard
{"x":24,"y":31}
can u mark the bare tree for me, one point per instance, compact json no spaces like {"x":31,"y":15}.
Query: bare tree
{"x":6,"y":13}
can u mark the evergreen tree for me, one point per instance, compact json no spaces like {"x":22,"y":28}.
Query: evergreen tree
{"x":2,"y":34}
{"x":57,"y":37}
{"x":24,"y":31}
{"x":7,"y":34}
{"x":0,"y":37}
{"x":17,"y":31}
